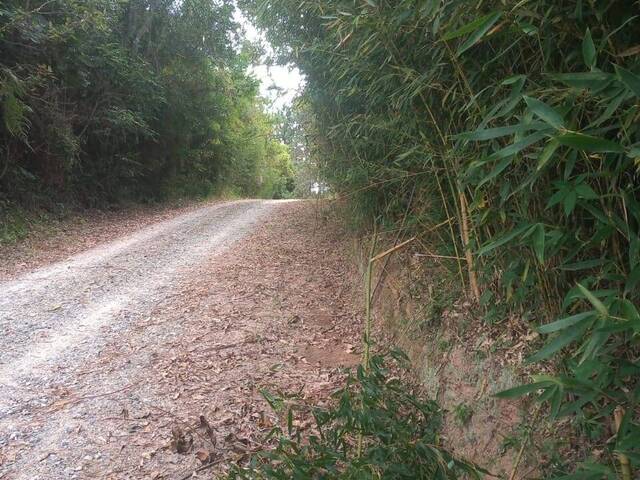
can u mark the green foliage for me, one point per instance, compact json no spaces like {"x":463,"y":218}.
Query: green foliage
{"x":13,"y":225}
{"x":527,"y":111}
{"x":103,"y":101}
{"x":462,"y":414}
{"x":297,"y":132}
{"x":13,"y":109}
{"x":375,"y":429}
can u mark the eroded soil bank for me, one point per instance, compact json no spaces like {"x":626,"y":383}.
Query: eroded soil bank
{"x":242,"y":297}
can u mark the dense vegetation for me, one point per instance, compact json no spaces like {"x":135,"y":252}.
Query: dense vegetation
{"x":377,"y":428}
{"x":506,"y":134}
{"x":108,"y":100}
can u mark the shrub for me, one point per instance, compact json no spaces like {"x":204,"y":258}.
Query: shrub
{"x":375,"y":429}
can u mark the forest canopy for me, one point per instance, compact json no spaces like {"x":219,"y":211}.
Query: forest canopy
{"x":106,"y":100}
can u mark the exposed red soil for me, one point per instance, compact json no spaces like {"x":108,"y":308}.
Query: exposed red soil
{"x":462,"y":362}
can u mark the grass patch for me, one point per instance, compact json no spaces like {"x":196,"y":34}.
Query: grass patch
{"x":17,"y":223}
{"x":13,"y":226}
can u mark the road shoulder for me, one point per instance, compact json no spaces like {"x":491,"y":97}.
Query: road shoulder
{"x":52,"y":240}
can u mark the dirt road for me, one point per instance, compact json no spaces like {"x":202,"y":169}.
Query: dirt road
{"x":143,"y":357}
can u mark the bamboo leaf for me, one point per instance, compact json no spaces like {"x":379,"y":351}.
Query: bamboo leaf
{"x":633,"y":280}
{"x":472,"y":26}
{"x":598,"y":338}
{"x":561,"y":341}
{"x":585,"y":191}
{"x":588,"y":143}
{"x":516,"y":147}
{"x":545,"y":112}
{"x":514,"y":79}
{"x":631,"y":314}
{"x":479,"y":33}
{"x":569,"y":202}
{"x":490,"y":133}
{"x":556,"y":401}
{"x":506,"y":238}
{"x":538,"y":242}
{"x":566,"y":322}
{"x":597,"y":304}
{"x":547,"y":154}
{"x":631,"y":80}
{"x":497,"y":170}
{"x":522,"y":390}
{"x":585,"y":80}
{"x":556,"y":198}
{"x":583,"y":265}
{"x":612,"y":107}
{"x":588,"y":50}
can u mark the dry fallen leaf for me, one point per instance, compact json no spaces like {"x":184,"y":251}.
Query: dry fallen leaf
{"x":180,"y":442}
{"x":204,"y":456}
{"x":207,"y":428}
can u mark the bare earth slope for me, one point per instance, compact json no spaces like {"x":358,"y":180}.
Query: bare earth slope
{"x":144,"y":357}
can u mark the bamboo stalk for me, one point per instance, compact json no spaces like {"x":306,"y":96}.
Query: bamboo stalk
{"x":451,"y":232}
{"x":625,"y":465}
{"x":367,"y":325}
{"x":367,"y":299}
{"x":464,"y":227}
{"x":433,"y":255}
{"x":391,"y":250}
{"x":526,"y":440}
{"x":366,"y":356}
{"x":367,"y":322}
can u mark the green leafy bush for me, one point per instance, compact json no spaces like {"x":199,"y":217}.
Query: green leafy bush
{"x":375,"y":429}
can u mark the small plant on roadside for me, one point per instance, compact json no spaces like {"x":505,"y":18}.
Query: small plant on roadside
{"x":444,"y":345}
{"x":376,"y":428}
{"x":515,"y":439}
{"x":462,"y":414}
{"x":553,"y":464}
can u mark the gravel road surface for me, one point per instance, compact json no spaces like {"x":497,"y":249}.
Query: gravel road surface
{"x":55,"y":321}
